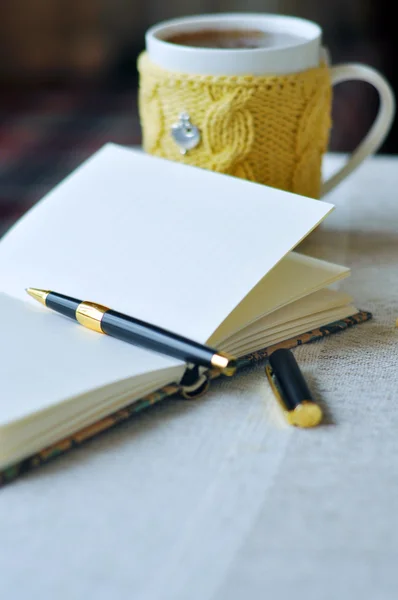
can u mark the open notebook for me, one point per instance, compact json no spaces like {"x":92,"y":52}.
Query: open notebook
{"x":205,"y":255}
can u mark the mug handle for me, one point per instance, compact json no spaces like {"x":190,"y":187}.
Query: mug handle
{"x":381,"y":126}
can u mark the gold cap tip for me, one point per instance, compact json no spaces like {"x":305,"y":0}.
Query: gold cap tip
{"x":225,"y":363}
{"x":39,"y":295}
{"x":306,"y":414}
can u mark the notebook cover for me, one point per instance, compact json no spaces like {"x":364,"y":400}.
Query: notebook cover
{"x":80,"y":437}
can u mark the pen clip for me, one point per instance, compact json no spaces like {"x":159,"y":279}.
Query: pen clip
{"x":275,"y":388}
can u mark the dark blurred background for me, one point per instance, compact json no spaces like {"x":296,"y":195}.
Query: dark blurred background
{"x":68,"y":80}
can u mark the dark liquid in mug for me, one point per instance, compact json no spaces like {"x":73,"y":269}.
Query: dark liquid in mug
{"x":234,"y":39}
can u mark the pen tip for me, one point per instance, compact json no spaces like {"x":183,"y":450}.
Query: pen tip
{"x":39,"y":295}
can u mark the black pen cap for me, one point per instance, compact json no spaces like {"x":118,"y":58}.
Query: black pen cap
{"x":292,"y":384}
{"x":293,"y":391}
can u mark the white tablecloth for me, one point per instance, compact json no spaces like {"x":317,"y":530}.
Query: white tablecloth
{"x":218,"y":499}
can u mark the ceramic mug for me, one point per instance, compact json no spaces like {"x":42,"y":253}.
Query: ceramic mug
{"x":276,"y":95}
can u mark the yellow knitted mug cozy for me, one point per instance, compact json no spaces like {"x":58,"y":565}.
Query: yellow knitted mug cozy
{"x":272,"y":129}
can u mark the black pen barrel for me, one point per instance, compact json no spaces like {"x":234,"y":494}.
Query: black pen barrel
{"x":63,"y":304}
{"x":154,"y":338}
{"x":101,"y":319}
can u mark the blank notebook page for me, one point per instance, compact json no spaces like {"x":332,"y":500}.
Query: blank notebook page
{"x":171,"y":244}
{"x":45,"y":361}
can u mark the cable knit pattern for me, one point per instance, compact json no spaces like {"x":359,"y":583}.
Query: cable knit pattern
{"x":270,"y":129}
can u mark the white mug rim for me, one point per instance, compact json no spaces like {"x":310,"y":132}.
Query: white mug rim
{"x":219,"y":20}
{"x":294,"y":57}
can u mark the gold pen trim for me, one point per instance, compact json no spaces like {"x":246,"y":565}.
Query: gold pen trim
{"x":305,"y":414}
{"x":224,"y":363}
{"x":90,"y":315}
{"x":39,"y":295}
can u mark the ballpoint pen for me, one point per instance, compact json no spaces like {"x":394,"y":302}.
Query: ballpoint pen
{"x":291,"y":390}
{"x":139,"y":333}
